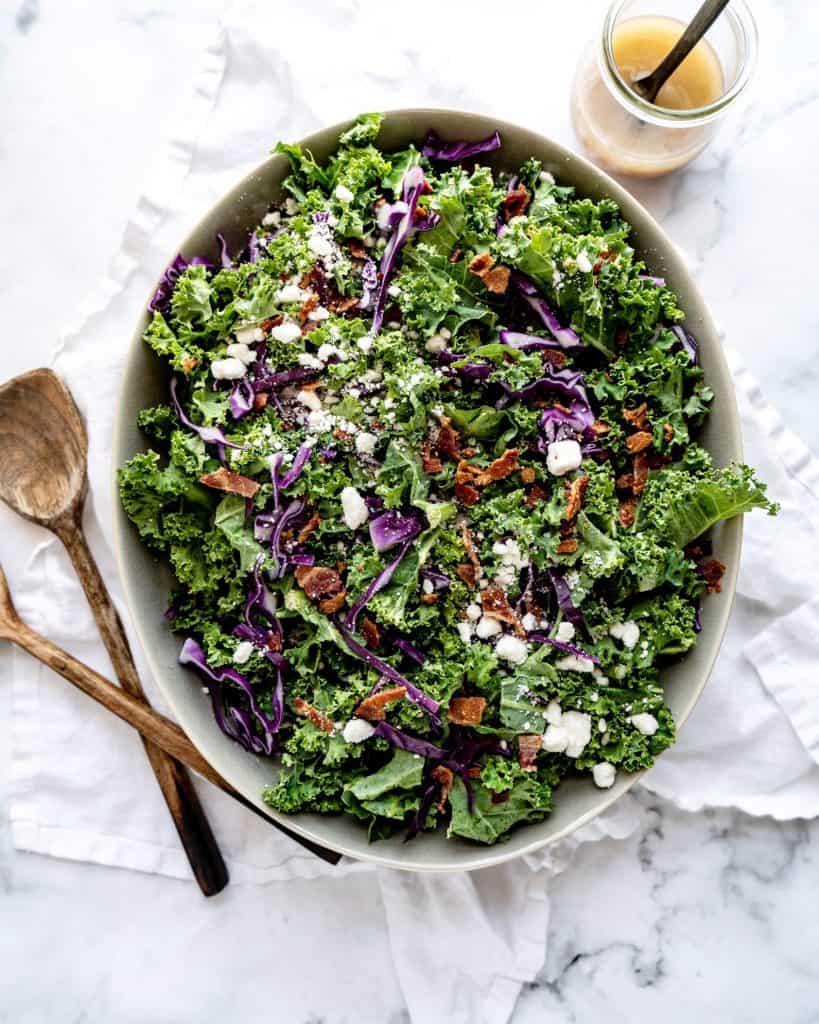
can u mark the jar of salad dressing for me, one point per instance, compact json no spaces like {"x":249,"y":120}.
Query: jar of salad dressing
{"x":624,"y":133}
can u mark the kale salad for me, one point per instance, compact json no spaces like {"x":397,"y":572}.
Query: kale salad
{"x":429,"y":486}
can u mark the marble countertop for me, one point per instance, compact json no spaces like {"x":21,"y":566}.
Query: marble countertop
{"x":706,"y":915}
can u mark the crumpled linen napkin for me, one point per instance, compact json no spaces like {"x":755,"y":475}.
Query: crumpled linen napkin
{"x":752,"y":741}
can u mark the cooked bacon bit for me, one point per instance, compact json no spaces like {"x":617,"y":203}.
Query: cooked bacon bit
{"x":474,"y":772}
{"x":444,"y":777}
{"x":226,"y":480}
{"x":568,"y":546}
{"x":468,"y":573}
{"x":370,"y":632}
{"x":260,"y":401}
{"x":310,"y":325}
{"x":627,"y":511}
{"x":318,"y":581}
{"x":597,"y":266}
{"x":566,"y":529}
{"x":343,"y":305}
{"x":553,"y":356}
{"x":469,"y":452}
{"x":429,"y":598}
{"x":479,"y":264}
{"x":330,"y":605}
{"x":500,"y":468}
{"x":600,"y":427}
{"x":640,"y":473}
{"x":527,"y":475}
{"x":466,"y":710}
{"x":318,"y":718}
{"x":496,"y":606}
{"x":190,"y":364}
{"x":515,"y":202}
{"x":356,"y":249}
{"x":467,"y":494}
{"x":528,"y":746}
{"x":456,"y":255}
{"x":466,"y":473}
{"x":469,"y":546}
{"x":501,"y":798}
{"x":535,"y":495}
{"x":496,"y":280}
{"x":274,"y":641}
{"x":309,"y":528}
{"x":575,"y":493}
{"x":625,"y":482}
{"x":373,"y":708}
{"x":637,"y":417}
{"x":341,"y":435}
{"x":638,"y":442}
{"x":430,"y":463}
{"x":712,"y":572}
{"x":268,"y":325}
{"x":621,"y":337}
{"x":448,"y":442}
{"x":308,"y":306}
{"x":668,"y":432}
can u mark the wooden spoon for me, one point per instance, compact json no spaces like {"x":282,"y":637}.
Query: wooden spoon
{"x":161,"y":731}
{"x":43,"y":476}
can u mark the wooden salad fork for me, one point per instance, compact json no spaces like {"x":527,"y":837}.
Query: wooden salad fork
{"x":44,"y":477}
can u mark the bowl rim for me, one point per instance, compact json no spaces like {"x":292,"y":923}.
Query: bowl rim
{"x":482,"y":856}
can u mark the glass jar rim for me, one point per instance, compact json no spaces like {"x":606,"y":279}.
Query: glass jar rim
{"x":743,"y":19}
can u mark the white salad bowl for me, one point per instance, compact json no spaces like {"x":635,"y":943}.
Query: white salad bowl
{"x":147,"y":582}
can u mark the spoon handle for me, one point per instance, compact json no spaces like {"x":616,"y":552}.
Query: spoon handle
{"x":188,"y":815}
{"x":160,"y":730}
{"x":705,"y":17}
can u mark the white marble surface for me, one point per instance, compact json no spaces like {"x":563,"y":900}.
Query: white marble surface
{"x":709,"y":915}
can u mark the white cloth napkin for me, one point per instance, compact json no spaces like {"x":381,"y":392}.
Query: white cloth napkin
{"x":81,"y":787}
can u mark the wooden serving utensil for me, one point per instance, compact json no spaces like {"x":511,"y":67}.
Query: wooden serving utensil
{"x":44,"y":477}
{"x":161,"y":731}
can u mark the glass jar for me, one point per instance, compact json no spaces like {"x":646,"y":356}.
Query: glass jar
{"x":626,"y":134}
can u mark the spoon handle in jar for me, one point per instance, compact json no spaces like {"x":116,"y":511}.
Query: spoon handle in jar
{"x":183,"y":803}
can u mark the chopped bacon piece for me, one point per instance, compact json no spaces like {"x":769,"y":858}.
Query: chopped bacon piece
{"x":318,"y":718}
{"x":479,"y":264}
{"x":712,"y":572}
{"x":466,"y":473}
{"x":318,"y":581}
{"x":496,"y":280}
{"x":260,"y":401}
{"x":474,"y":772}
{"x":668,"y":432}
{"x":468,"y":573}
{"x":267,"y":325}
{"x":357,"y":249}
{"x":429,"y":598}
{"x":330,"y":605}
{"x":527,"y":475}
{"x":226,"y":480}
{"x":448,"y":442}
{"x":553,"y":356}
{"x":640,"y":473}
{"x":575,"y":492}
{"x":444,"y":777}
{"x":601,"y":427}
{"x":343,"y":305}
{"x":638,"y":442}
{"x":190,"y":364}
{"x":535,"y":495}
{"x":528,"y":746}
{"x":467,"y":494}
{"x":568,"y":546}
{"x":373,"y":708}
{"x":430,"y":463}
{"x":627,"y":511}
{"x":516,"y":201}
{"x":624,"y":482}
{"x":637,"y":417}
{"x":274,"y":641}
{"x":496,"y":606}
{"x":456,"y":255}
{"x":500,"y":468}
{"x":466,"y":710}
{"x":308,"y":306}
{"x":501,"y":798}
{"x":370,"y":632}
{"x":309,"y":528}
{"x":469,"y":546}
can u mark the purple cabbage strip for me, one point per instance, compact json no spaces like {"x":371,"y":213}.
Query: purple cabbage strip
{"x":369,"y":284}
{"x":439,"y":580}
{"x":564,"y":599}
{"x":688,"y":342}
{"x":659,"y":281}
{"x":570,"y":384}
{"x":541,"y":638}
{"x":410,"y":650}
{"x":414,"y":695}
{"x":294,"y":509}
{"x":210,"y":435}
{"x":413,"y":744}
{"x":565,"y":335}
{"x":224,"y":255}
{"x":275,"y":380}
{"x":393,"y":527}
{"x":234,"y":721}
{"x":380,"y":581}
{"x":558,"y":425}
{"x":254,"y":249}
{"x":435,"y":148}
{"x":526,"y":342}
{"x":161,"y":301}
{"x":301,"y":459}
{"x":474,"y":371}
{"x":241,"y":398}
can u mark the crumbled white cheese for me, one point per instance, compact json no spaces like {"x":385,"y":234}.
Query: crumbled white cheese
{"x":343,"y":194}
{"x":310,"y":400}
{"x":428,"y":586}
{"x":228,"y":369}
{"x":286,"y":332}
{"x":238,"y":350}
{"x":310,"y":361}
{"x":511,"y":649}
{"x":393,"y":291}
{"x":272,"y":220}
{"x":602,"y":725}
{"x":319,"y":421}
{"x":578,"y":725}
{"x":357,"y":730}
{"x":563,"y":456}
{"x":318,"y":314}
{"x":291,"y":293}
{"x":445,"y":333}
{"x":247,"y":335}
{"x":565,"y":632}
{"x":553,"y":713}
{"x":555,"y":739}
{"x":599,"y":678}
{"x":365,"y":343}
{"x":529,"y":622}
{"x":382,"y":217}
{"x":365,"y":443}
{"x":473,"y":612}
{"x":604,"y":775}
{"x":327,"y":351}
{"x":319,"y":243}
{"x":354,"y":508}
{"x":628,"y":632}
{"x":645,"y":723}
{"x":488,"y":627}
{"x":583,"y":262}
{"x":575,"y":663}
{"x":243,"y":651}
{"x":557,"y":278}
{"x":291,"y":207}
{"x":435,"y":344}
{"x":465,"y":630}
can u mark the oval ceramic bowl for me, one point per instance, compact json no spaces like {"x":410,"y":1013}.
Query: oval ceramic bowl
{"x":146,"y":581}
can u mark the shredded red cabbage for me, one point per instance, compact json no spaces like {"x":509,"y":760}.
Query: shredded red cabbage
{"x":688,"y":342}
{"x":439,"y":580}
{"x":527,"y":342}
{"x":210,"y":435}
{"x":541,"y":638}
{"x":241,"y":398}
{"x":393,"y":527}
{"x":563,"y":594}
{"x":224,"y":255}
{"x":161,"y":302}
{"x":435,"y":148}
{"x":565,"y":335}
{"x":380,"y":581}
{"x":413,"y":744}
